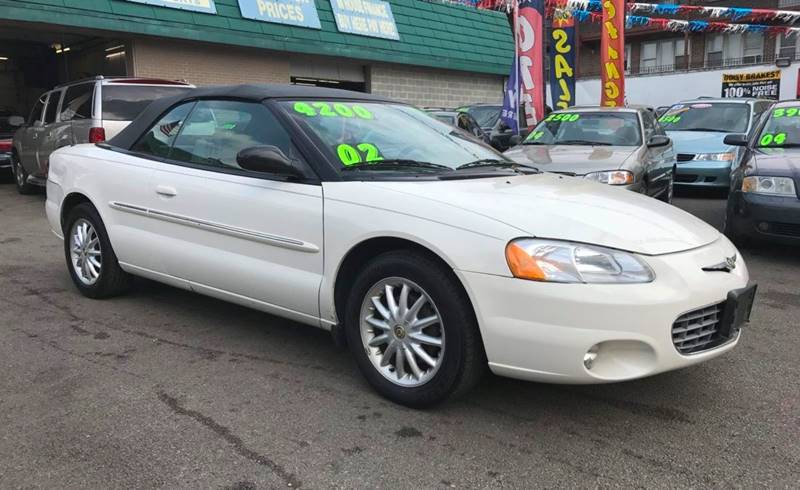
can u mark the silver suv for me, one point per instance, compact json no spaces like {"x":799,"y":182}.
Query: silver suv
{"x":85,"y":111}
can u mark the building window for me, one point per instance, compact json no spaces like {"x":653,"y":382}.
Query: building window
{"x":788,"y":46}
{"x":661,"y":56}
{"x":734,"y":49}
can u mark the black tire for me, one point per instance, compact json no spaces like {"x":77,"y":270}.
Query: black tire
{"x":112,"y":280}
{"x":669,"y":192}
{"x":21,"y":177}
{"x":463,"y":360}
{"x":729,"y":230}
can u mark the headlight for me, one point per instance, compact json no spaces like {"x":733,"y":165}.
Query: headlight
{"x":612,"y":177}
{"x":715,"y":157}
{"x":776,"y":186}
{"x":555,"y":261}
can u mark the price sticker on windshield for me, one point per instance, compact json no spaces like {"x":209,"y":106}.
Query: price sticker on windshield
{"x":338,"y":109}
{"x":772,"y":139}
{"x":669,"y":119}
{"x":563,"y":117}
{"x":362,"y":152}
{"x":536,"y":135}
{"x":786,"y":112}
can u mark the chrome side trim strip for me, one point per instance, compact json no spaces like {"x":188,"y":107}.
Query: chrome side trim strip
{"x":255,"y":236}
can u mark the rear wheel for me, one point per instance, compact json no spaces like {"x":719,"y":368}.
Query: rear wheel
{"x":412,"y":330}
{"x":21,"y":176}
{"x":91,"y":261}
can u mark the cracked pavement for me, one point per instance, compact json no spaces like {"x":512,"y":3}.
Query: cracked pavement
{"x":166,"y":388}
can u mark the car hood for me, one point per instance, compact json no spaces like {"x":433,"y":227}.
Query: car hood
{"x":559,"y":207}
{"x":778,"y":162}
{"x":699,"y":142}
{"x":579,"y":160}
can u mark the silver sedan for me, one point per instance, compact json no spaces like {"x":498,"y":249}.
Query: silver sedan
{"x":623,"y":147}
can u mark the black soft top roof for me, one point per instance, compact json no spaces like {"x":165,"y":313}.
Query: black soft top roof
{"x":256,"y":93}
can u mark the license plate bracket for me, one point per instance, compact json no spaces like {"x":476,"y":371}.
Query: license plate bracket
{"x":737,"y":310}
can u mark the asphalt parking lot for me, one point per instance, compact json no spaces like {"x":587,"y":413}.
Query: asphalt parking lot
{"x":165,"y":388}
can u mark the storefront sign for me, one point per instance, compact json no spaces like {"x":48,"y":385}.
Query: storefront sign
{"x":372,"y":18}
{"x":529,"y":30}
{"x":562,"y":63}
{"x":205,"y":6}
{"x":302,"y":13}
{"x":762,"y":85}
{"x":612,"y":54}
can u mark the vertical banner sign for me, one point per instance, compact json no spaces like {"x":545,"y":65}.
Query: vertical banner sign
{"x":562,"y":63}
{"x":510,"y":112}
{"x":612,"y":54}
{"x":529,"y":31}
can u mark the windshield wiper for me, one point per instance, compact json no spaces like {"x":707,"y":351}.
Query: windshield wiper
{"x":582,"y":142}
{"x":395,"y":164}
{"x":707,"y":130}
{"x":493,"y":162}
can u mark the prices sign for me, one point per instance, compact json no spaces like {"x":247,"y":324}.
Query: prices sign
{"x":612,"y":53}
{"x":762,"y":85}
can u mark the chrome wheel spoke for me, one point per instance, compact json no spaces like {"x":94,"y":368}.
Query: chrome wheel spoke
{"x":412,"y":362}
{"x":376,"y":303}
{"x":411,"y":314}
{"x":379,"y":340}
{"x":390,"y":302}
{"x":400,"y":362}
{"x":426,"y":322}
{"x":420,"y":352}
{"x":380,"y":324}
{"x":426,"y":339}
{"x":402,"y":308}
{"x":388,"y":353}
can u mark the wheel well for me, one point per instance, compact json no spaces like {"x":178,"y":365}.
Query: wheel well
{"x":70,"y":202}
{"x":368,"y":249}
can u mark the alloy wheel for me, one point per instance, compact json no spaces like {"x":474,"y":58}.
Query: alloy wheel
{"x":19,"y":173}
{"x":85,"y":253}
{"x":402,"y":332}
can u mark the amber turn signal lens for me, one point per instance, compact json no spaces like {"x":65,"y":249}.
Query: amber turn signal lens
{"x":522,"y":264}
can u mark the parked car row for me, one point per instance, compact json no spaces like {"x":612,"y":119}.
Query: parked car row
{"x":441,"y":255}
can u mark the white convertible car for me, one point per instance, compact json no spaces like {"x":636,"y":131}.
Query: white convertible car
{"x":431,"y":255}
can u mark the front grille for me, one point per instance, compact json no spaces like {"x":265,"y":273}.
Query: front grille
{"x":788,"y":229}
{"x":685,"y":157}
{"x":698,"y":330}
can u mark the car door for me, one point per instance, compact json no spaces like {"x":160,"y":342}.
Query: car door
{"x":241,"y":235}
{"x":658,"y":161}
{"x":45,"y":144}
{"x":29,"y":136}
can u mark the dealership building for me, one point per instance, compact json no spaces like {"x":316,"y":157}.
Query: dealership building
{"x":429,"y":53}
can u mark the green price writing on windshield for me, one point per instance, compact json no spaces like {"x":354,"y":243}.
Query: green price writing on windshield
{"x":786,"y":112}
{"x":537,"y":135}
{"x":362,"y":152}
{"x":770,"y":139}
{"x":563,"y":117}
{"x":671,"y":119}
{"x":324,"y":109}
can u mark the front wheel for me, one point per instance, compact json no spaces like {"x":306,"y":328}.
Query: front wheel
{"x":91,"y":261}
{"x":412,"y":330}
{"x":21,"y":176}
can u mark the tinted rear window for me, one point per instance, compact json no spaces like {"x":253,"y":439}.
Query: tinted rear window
{"x":125,"y":102}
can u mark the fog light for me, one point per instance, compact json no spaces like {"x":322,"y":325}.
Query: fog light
{"x":590,"y":356}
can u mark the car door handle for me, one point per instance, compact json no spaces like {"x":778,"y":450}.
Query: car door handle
{"x":166,"y":191}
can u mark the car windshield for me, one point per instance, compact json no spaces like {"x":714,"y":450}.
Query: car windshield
{"x":485,"y":115}
{"x":125,"y":102}
{"x":363,"y":132}
{"x":782,"y":128}
{"x":587,"y":128}
{"x":722,"y":117}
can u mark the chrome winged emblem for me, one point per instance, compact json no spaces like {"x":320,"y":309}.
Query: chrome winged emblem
{"x":726,"y":266}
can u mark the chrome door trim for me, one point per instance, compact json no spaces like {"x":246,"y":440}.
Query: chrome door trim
{"x":255,"y":236}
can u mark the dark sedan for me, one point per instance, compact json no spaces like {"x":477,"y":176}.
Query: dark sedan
{"x":764,"y":203}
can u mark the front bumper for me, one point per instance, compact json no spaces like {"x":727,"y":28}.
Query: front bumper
{"x":703,"y":174}
{"x":5,"y":160}
{"x":769,"y":218}
{"x":542,"y":331}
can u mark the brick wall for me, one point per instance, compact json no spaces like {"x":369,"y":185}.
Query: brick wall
{"x":203,"y":64}
{"x":429,"y":87}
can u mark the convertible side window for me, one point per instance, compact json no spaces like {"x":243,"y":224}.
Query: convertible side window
{"x":158,"y":140}
{"x":217,"y":130}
